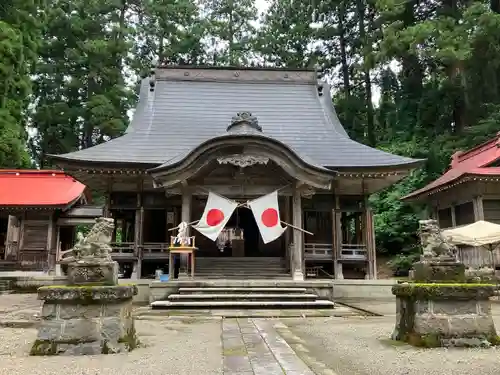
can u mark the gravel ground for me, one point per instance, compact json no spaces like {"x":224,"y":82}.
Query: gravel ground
{"x":179,"y":346}
{"x":171,"y":347}
{"x":361,"y":346}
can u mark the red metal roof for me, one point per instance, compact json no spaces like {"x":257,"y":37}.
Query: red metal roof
{"x":473,"y":162}
{"x":20,"y":187}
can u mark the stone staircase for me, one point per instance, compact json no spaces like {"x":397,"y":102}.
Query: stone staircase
{"x":241,"y":268}
{"x":5,"y":286}
{"x":247,"y":297}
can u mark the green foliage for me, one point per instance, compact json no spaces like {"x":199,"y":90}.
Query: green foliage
{"x":401,"y":264}
{"x":415,"y":78}
{"x":20,"y":35}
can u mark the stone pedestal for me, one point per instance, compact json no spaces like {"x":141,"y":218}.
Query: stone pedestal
{"x":439,"y":270}
{"x":86,"y":320}
{"x":433,"y":315}
{"x":93,"y":272}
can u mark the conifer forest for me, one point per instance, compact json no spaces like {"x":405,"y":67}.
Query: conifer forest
{"x":416,"y":78}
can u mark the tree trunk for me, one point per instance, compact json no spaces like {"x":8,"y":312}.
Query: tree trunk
{"x":343,"y":51}
{"x":366,"y":52}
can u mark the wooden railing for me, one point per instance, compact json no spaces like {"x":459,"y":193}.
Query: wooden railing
{"x":12,"y":251}
{"x":323,"y":251}
{"x":123,"y":250}
{"x":353,"y":252}
{"x":150,"y":250}
{"x":318,"y":251}
{"x":33,"y":260}
{"x":155,"y":250}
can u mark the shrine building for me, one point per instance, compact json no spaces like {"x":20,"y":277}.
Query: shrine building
{"x":240,"y":133}
{"x":465,"y":193}
{"x":39,"y":212}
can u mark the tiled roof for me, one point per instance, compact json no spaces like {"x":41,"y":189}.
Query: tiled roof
{"x":188,"y":106}
{"x":38,"y":188}
{"x":475,"y":161}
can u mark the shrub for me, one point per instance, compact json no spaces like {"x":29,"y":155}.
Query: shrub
{"x":401,"y":264}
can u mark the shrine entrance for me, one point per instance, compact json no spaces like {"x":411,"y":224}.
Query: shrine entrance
{"x":3,"y":236}
{"x":240,"y":237}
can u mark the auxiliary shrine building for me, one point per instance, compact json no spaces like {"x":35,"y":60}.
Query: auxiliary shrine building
{"x":39,"y":215}
{"x":240,"y":133}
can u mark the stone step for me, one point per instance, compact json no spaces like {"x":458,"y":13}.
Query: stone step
{"x":5,"y":286}
{"x":179,"y":305}
{"x":243,"y":297}
{"x":249,"y":265}
{"x":242,"y":269}
{"x":237,"y":267}
{"x":234,"y":290}
{"x":240,"y":272}
{"x":161,"y":314}
{"x":241,"y":259}
{"x":213,"y":276}
{"x":240,"y":266}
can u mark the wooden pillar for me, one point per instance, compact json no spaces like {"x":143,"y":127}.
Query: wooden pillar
{"x":58,"y":270}
{"x":12,"y":238}
{"x":51,"y":234}
{"x":187,"y":199}
{"x":106,"y":212}
{"x":453,"y":217}
{"x":298,"y":237}
{"x":186,"y":207}
{"x":369,"y":239}
{"x":20,"y":246}
{"x":288,"y":234}
{"x":478,"y":208}
{"x":138,"y":236}
{"x":337,"y":240}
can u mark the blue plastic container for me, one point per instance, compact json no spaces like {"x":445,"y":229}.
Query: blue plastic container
{"x":164,"y":277}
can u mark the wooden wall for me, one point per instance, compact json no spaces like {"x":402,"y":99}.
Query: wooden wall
{"x":35,"y":240}
{"x":476,"y":257}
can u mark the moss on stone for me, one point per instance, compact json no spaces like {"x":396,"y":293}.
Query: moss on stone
{"x":130,"y":340}
{"x":86,"y":286}
{"x":105,"y":348}
{"x":436,"y":340}
{"x":237,"y":351}
{"x":43,"y":348}
{"x":391,"y":342}
{"x":87,"y":294}
{"x":426,"y":291}
{"x":444,"y":271}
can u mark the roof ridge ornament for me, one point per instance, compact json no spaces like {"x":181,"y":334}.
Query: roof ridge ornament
{"x":244,"y":121}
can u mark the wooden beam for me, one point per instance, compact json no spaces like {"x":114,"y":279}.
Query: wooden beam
{"x":478,"y":208}
{"x":298,"y":238}
{"x":51,"y":234}
{"x":139,"y":230}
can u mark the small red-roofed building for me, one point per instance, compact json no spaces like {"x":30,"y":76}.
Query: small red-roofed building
{"x":38,"y":213}
{"x":467,"y":192}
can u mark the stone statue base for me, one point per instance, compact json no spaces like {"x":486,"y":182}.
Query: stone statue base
{"x":93,"y":271}
{"x":450,"y":315}
{"x":438,"y":270}
{"x":86,"y":320}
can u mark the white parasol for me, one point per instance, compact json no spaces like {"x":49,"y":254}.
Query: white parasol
{"x":479,"y":234}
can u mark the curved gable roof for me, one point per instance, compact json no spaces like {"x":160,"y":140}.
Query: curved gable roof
{"x":188,"y":107}
{"x":38,"y":188}
{"x":473,"y":162}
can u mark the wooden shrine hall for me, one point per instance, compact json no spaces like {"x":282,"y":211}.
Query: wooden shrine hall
{"x":467,"y":192}
{"x":240,"y":133}
{"x":39,"y":213}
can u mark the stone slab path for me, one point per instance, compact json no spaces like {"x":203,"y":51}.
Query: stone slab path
{"x":254,"y":347}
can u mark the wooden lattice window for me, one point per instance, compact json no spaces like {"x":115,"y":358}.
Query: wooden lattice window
{"x":445,"y":220}
{"x":464,"y":213}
